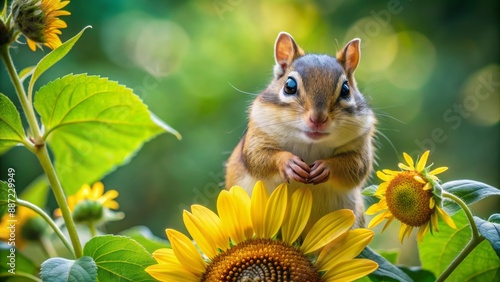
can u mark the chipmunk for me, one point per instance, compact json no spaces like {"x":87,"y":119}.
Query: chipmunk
{"x":311,"y":126}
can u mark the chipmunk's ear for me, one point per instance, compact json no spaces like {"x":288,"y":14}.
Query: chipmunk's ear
{"x":348,"y":57}
{"x":285,"y":52}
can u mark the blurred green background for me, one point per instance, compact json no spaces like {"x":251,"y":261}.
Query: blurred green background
{"x":429,"y":69}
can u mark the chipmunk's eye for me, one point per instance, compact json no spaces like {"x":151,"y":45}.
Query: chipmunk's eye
{"x":344,"y":91}
{"x":290,"y":87}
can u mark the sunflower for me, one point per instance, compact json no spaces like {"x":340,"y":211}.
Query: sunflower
{"x":257,"y":239}
{"x":88,"y":202}
{"x":412,"y":196}
{"x":39,"y":21}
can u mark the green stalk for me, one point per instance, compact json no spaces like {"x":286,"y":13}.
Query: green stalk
{"x":20,"y":274}
{"x":41,"y":151}
{"x":474,"y":241}
{"x":48,"y":220}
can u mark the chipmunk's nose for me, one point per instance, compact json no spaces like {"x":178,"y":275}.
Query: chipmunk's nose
{"x":317,"y":120}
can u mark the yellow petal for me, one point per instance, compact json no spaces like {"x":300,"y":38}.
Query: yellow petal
{"x":439,"y":170}
{"x":427,"y":186}
{"x":404,"y":167}
{"x":390,"y":172}
{"x":409,"y":161}
{"x":234,"y":212}
{"x":31,"y":44}
{"x":377,"y":219}
{"x":171,"y":272}
{"x":422,"y":161}
{"x":258,"y":208}
{"x":419,"y":179}
{"x":200,"y":235}
{"x":327,"y":228}
{"x":350,"y":270}
{"x":446,"y":218}
{"x":381,"y":205}
{"x":403,"y":230}
{"x":96,"y":191}
{"x":108,"y":201}
{"x":389,"y":220}
{"x":300,"y":210}
{"x":434,"y":221}
{"x":186,"y":252}
{"x":382,"y":188}
{"x":212,"y":225}
{"x":165,"y":255}
{"x":275,"y":211}
{"x":343,"y":249}
{"x":432,"y":203}
{"x":422,"y":231}
{"x":384,"y":176}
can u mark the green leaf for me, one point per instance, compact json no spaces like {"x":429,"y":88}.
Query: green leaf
{"x":62,"y":270}
{"x":119,"y":258}
{"x":36,"y":191}
{"x":419,"y":274}
{"x":370,"y":190}
{"x":495,"y":218}
{"x":92,"y":125}
{"x":21,"y":264}
{"x":53,"y":57}
{"x":143,"y":236}
{"x":438,"y":250}
{"x":490,"y":231}
{"x":469,"y":191}
{"x":4,"y":198}
{"x":386,"y":271}
{"x":11,"y":127}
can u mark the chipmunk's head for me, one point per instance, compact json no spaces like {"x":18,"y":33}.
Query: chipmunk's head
{"x":316,"y":96}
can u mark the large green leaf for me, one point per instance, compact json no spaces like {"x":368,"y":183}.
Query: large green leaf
{"x":419,"y":274}
{"x":145,"y":237}
{"x":437,"y":251}
{"x":92,"y":125}
{"x":490,"y":231}
{"x":469,"y":191}
{"x":65,"y":270}
{"x":53,"y":57}
{"x":386,"y":271}
{"x":11,"y":127}
{"x":119,"y":258}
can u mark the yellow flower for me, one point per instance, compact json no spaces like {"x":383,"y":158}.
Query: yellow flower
{"x":91,"y":198}
{"x":24,"y":226}
{"x":254,"y":239}
{"x":411,"y":197}
{"x":39,"y":21}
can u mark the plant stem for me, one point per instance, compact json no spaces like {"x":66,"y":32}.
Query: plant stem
{"x":43,"y":156}
{"x":41,"y":151}
{"x":92,"y":228}
{"x":21,"y":94}
{"x":48,"y":220}
{"x":463,"y":254}
{"x":470,"y":217}
{"x":474,"y":241}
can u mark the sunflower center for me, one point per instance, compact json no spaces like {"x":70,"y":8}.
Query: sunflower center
{"x":407,"y":200}
{"x":261,"y":260}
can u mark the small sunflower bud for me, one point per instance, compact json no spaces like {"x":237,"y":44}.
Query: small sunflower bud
{"x":38,"y":21}
{"x":33,"y":228}
{"x":30,"y":19}
{"x":88,"y":211}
